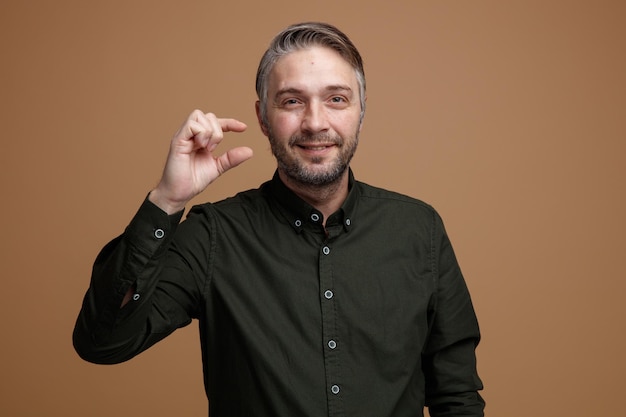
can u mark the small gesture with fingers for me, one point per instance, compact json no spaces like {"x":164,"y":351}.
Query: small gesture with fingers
{"x":192,"y":163}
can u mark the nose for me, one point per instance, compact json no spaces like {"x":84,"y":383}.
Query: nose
{"x":315,"y":118}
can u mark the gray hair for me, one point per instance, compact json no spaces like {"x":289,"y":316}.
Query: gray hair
{"x":302,"y":36}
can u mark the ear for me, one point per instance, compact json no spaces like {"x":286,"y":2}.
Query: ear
{"x":362,"y":116}
{"x":257,"y":107}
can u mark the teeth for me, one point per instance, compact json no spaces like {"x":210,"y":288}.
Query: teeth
{"x":314,"y":148}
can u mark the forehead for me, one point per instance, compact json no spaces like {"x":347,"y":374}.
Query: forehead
{"x":311,"y":67}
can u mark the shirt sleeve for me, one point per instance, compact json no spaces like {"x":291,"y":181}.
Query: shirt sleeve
{"x":452,"y":381}
{"x":162,"y":295}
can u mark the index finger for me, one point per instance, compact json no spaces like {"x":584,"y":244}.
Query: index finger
{"x":232,"y":125}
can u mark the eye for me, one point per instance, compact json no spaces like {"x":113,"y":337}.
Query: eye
{"x":291,"y":102}
{"x":338,"y":102}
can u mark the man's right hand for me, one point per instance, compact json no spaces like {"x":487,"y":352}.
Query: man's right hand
{"x":191,"y":163}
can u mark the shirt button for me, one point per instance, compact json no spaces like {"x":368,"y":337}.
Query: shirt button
{"x":328,"y":294}
{"x":348,"y":222}
{"x":315,"y":217}
{"x":159,"y":233}
{"x":332,"y":344}
{"x":334,"y":389}
{"x":136,"y":296}
{"x":326,"y":250}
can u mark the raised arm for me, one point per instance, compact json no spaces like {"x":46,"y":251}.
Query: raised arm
{"x":192,"y":165}
{"x":134,"y":280}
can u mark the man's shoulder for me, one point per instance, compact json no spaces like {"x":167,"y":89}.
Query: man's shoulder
{"x":380,"y":195}
{"x":241,"y":201}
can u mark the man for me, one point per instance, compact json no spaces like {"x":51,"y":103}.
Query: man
{"x":316,"y":295}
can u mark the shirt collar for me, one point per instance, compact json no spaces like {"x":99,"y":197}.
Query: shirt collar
{"x":300,"y":214}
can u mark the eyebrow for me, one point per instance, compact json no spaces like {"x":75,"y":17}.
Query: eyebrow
{"x":329,"y":89}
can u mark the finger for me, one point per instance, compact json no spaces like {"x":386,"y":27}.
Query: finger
{"x":217,"y":134}
{"x":205,"y":129}
{"x":198,"y":121}
{"x":232,"y":125}
{"x":197,"y":127}
{"x":224,"y":125}
{"x":205,"y":120}
{"x":232,"y":158}
{"x":189,"y":137}
{"x":199,"y":133}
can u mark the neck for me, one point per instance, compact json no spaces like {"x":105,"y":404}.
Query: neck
{"x":326,"y":198}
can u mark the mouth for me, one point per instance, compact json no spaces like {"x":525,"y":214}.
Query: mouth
{"x":315,"y":147}
{"x":316,"y":151}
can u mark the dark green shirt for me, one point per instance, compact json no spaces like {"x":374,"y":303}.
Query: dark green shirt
{"x":369,"y":316}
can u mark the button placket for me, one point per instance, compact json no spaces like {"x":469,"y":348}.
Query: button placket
{"x":329,"y":329}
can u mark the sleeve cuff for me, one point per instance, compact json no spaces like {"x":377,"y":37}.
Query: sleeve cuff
{"x":152,"y":227}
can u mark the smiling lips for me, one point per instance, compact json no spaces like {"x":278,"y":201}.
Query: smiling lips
{"x":316,"y":150}
{"x":315,"y":147}
{"x":316,"y":144}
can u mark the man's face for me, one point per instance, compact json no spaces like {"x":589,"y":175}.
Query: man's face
{"x":313,"y":115}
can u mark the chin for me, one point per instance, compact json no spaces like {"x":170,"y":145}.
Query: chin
{"x":321,"y":176}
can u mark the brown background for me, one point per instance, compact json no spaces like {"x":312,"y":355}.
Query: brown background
{"x":508,"y":117}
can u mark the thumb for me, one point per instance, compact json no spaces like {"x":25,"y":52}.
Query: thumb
{"x":233,"y":157}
